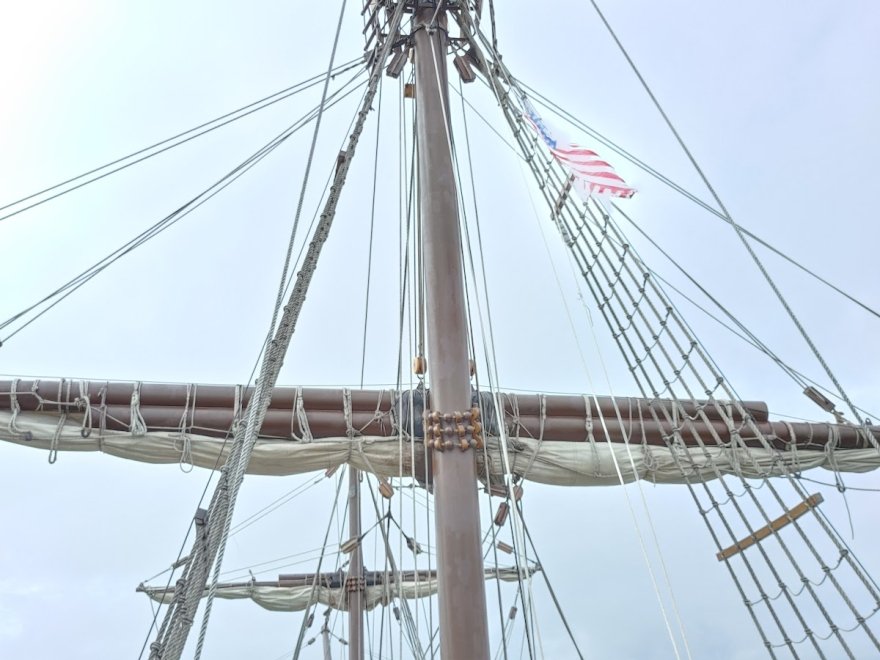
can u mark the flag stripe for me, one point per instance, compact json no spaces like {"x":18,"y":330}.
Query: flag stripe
{"x":574,"y":150}
{"x":592,"y":162}
{"x":591,"y":173}
{"x":602,"y":174}
{"x":590,"y":166}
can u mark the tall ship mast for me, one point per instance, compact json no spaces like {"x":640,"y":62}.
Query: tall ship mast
{"x":431,"y":547}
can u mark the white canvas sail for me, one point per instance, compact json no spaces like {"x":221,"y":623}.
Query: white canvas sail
{"x":593,"y":462}
{"x":280,"y":597}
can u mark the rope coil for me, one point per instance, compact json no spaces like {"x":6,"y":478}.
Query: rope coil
{"x":56,"y":438}
{"x":83,"y":403}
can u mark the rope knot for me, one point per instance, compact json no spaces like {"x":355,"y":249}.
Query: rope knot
{"x":138,"y":426}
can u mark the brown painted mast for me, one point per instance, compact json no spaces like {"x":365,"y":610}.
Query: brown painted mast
{"x":355,"y":582}
{"x":462,"y":593}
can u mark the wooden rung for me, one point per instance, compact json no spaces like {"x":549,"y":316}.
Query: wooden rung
{"x":563,"y":194}
{"x":790,"y":516}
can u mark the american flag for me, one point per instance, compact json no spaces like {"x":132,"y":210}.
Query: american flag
{"x":590,"y":175}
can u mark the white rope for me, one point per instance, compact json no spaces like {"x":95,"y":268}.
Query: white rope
{"x":277,"y":346}
{"x":517,"y":524}
{"x":719,"y":381}
{"x":221,"y":508}
{"x":632,"y":512}
{"x":536,"y":627}
{"x":301,"y":417}
{"x":591,"y":438}
{"x":677,"y":319}
{"x":83,"y":403}
{"x":14,"y":407}
{"x":347,"y":413}
{"x":728,"y":218}
{"x":543,"y":412}
{"x":53,"y":446}
{"x":137,"y":425}
{"x":632,"y":463}
{"x":312,"y":595}
{"x":611,"y":452}
{"x":35,"y":391}
{"x":59,"y":399}
{"x":186,"y":459}
{"x":236,"y":408}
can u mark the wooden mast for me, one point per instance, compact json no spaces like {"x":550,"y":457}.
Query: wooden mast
{"x":325,"y":637}
{"x":462,"y":594}
{"x":355,"y":584}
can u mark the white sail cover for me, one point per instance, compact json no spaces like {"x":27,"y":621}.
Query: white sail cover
{"x":298,"y":598}
{"x":587,"y":463}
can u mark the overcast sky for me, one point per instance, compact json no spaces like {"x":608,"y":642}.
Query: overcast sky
{"x":779,"y":107}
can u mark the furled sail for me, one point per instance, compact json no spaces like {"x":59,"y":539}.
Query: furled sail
{"x":294,"y":593}
{"x":553,"y":439}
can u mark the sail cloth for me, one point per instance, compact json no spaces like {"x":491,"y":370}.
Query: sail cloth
{"x":590,"y":462}
{"x":297,"y":599}
{"x":590,"y":175}
{"x":281,"y":597}
{"x":572,"y":440}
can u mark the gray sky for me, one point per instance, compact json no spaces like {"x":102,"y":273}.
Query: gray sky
{"x":779,"y":107}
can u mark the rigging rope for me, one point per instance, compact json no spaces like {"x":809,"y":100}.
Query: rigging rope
{"x":406,"y":175}
{"x":739,"y":232}
{"x":305,"y":181}
{"x":492,"y":19}
{"x":370,"y":246}
{"x":330,"y":176}
{"x":574,"y":121}
{"x":504,"y":624}
{"x":178,"y":562}
{"x":740,"y":512}
{"x":614,"y":459}
{"x":796,"y":375}
{"x":188,"y":135}
{"x":578,"y":123}
{"x":519,"y":523}
{"x":415,"y":288}
{"x":83,"y":277}
{"x":489,"y":125}
{"x":490,"y":349}
{"x":305,"y":619}
{"x":626,"y":313}
{"x":750,"y":336}
{"x":409,"y":625}
{"x":274,"y":505}
{"x":224,"y":499}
